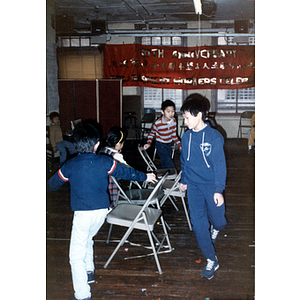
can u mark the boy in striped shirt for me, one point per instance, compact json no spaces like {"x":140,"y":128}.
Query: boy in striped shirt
{"x":165,"y":130}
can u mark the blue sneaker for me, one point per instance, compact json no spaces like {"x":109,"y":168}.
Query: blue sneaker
{"x":211,"y":267}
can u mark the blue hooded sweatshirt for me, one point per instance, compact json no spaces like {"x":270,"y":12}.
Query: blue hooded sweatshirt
{"x":202,"y":158}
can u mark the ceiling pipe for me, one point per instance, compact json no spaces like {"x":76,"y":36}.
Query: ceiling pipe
{"x":168,"y":33}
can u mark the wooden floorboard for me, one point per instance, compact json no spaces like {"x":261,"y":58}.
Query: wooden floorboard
{"x":181,"y":278}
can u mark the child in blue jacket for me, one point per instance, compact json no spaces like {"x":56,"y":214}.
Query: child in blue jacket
{"x":88,"y":174}
{"x":203,"y":177}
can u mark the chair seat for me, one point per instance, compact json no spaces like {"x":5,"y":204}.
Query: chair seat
{"x":172,"y":173}
{"x":139,"y":196}
{"x":124,"y":214}
{"x":176,"y":192}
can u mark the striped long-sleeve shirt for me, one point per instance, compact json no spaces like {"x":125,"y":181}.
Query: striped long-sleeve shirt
{"x":165,"y":132}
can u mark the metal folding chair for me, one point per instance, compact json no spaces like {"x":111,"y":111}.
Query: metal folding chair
{"x":152,"y":168}
{"x":173,"y":151}
{"x":171,"y":189}
{"x":133,"y":196}
{"x":142,"y":218}
{"x":245,"y":122}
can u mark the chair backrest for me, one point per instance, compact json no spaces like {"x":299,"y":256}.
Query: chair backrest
{"x":177,"y":179}
{"x":150,"y":164}
{"x":121,"y":191}
{"x":247,"y":114}
{"x":246,"y":117}
{"x":154,"y":194}
{"x":148,"y":118}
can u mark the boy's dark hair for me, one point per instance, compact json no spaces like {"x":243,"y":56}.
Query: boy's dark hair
{"x":194,"y":106}
{"x":53,"y":115}
{"x":167,"y":103}
{"x":85,"y":138}
{"x":199,"y":96}
{"x":116,"y":135}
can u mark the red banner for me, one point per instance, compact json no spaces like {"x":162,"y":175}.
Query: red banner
{"x":206,"y":67}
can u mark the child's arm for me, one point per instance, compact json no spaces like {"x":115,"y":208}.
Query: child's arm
{"x":183,"y":157}
{"x":219,"y":165}
{"x":121,"y":171}
{"x":52,"y":138}
{"x":219,"y":199}
{"x":56,"y":181}
{"x":150,"y":137}
{"x":175,"y":137}
{"x":183,"y":187}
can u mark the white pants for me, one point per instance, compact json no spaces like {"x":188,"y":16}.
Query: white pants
{"x":86,"y":224}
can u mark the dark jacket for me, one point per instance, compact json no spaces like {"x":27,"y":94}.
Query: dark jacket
{"x":88,"y":177}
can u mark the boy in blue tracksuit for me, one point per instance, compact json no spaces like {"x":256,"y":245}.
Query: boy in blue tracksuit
{"x":88,"y":174}
{"x":203,"y":177}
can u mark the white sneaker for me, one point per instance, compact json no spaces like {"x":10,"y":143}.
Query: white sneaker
{"x":214,"y":234}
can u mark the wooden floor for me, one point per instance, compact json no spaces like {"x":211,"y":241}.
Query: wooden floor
{"x":181,"y":278}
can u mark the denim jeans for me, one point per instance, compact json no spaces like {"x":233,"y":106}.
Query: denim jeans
{"x":86,"y":224}
{"x":61,"y":147}
{"x":165,"y":153}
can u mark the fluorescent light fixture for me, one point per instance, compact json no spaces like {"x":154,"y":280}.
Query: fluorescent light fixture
{"x":198,"y":6}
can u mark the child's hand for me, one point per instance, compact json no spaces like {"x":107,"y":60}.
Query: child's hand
{"x":151,"y":177}
{"x":54,"y":149}
{"x":183,"y":187}
{"x":219,"y":199}
{"x":146,"y":146}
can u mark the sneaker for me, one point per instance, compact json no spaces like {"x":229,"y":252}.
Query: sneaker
{"x":91,"y":277}
{"x":214,"y":234}
{"x":211,"y":267}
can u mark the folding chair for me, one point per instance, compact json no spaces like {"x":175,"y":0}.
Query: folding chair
{"x":173,"y":151}
{"x":142,"y":218}
{"x":133,"y":196}
{"x":152,"y":168}
{"x":171,"y":189}
{"x":245,"y":122}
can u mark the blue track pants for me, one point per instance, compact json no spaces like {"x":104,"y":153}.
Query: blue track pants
{"x":203,"y":212}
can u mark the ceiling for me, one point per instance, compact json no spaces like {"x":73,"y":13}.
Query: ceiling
{"x":148,"y":11}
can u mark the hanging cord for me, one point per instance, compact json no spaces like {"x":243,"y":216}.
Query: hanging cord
{"x":199,"y":30}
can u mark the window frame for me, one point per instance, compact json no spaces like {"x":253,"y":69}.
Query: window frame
{"x":216,"y":102}
{"x":139,"y":40}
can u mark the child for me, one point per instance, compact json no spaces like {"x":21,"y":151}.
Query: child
{"x":203,"y":177}
{"x":115,"y":141}
{"x":56,"y":138}
{"x":165,"y":129}
{"x":88,"y":174}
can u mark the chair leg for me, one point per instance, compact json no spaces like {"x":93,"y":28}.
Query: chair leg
{"x":109,"y":233}
{"x":124,"y":238}
{"x":175,"y":206}
{"x":166,"y":232}
{"x":186,"y":213}
{"x":152,"y":246}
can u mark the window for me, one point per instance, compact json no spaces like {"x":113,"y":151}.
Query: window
{"x":164,"y":41}
{"x":235,"y":101}
{"x":153,"y":97}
